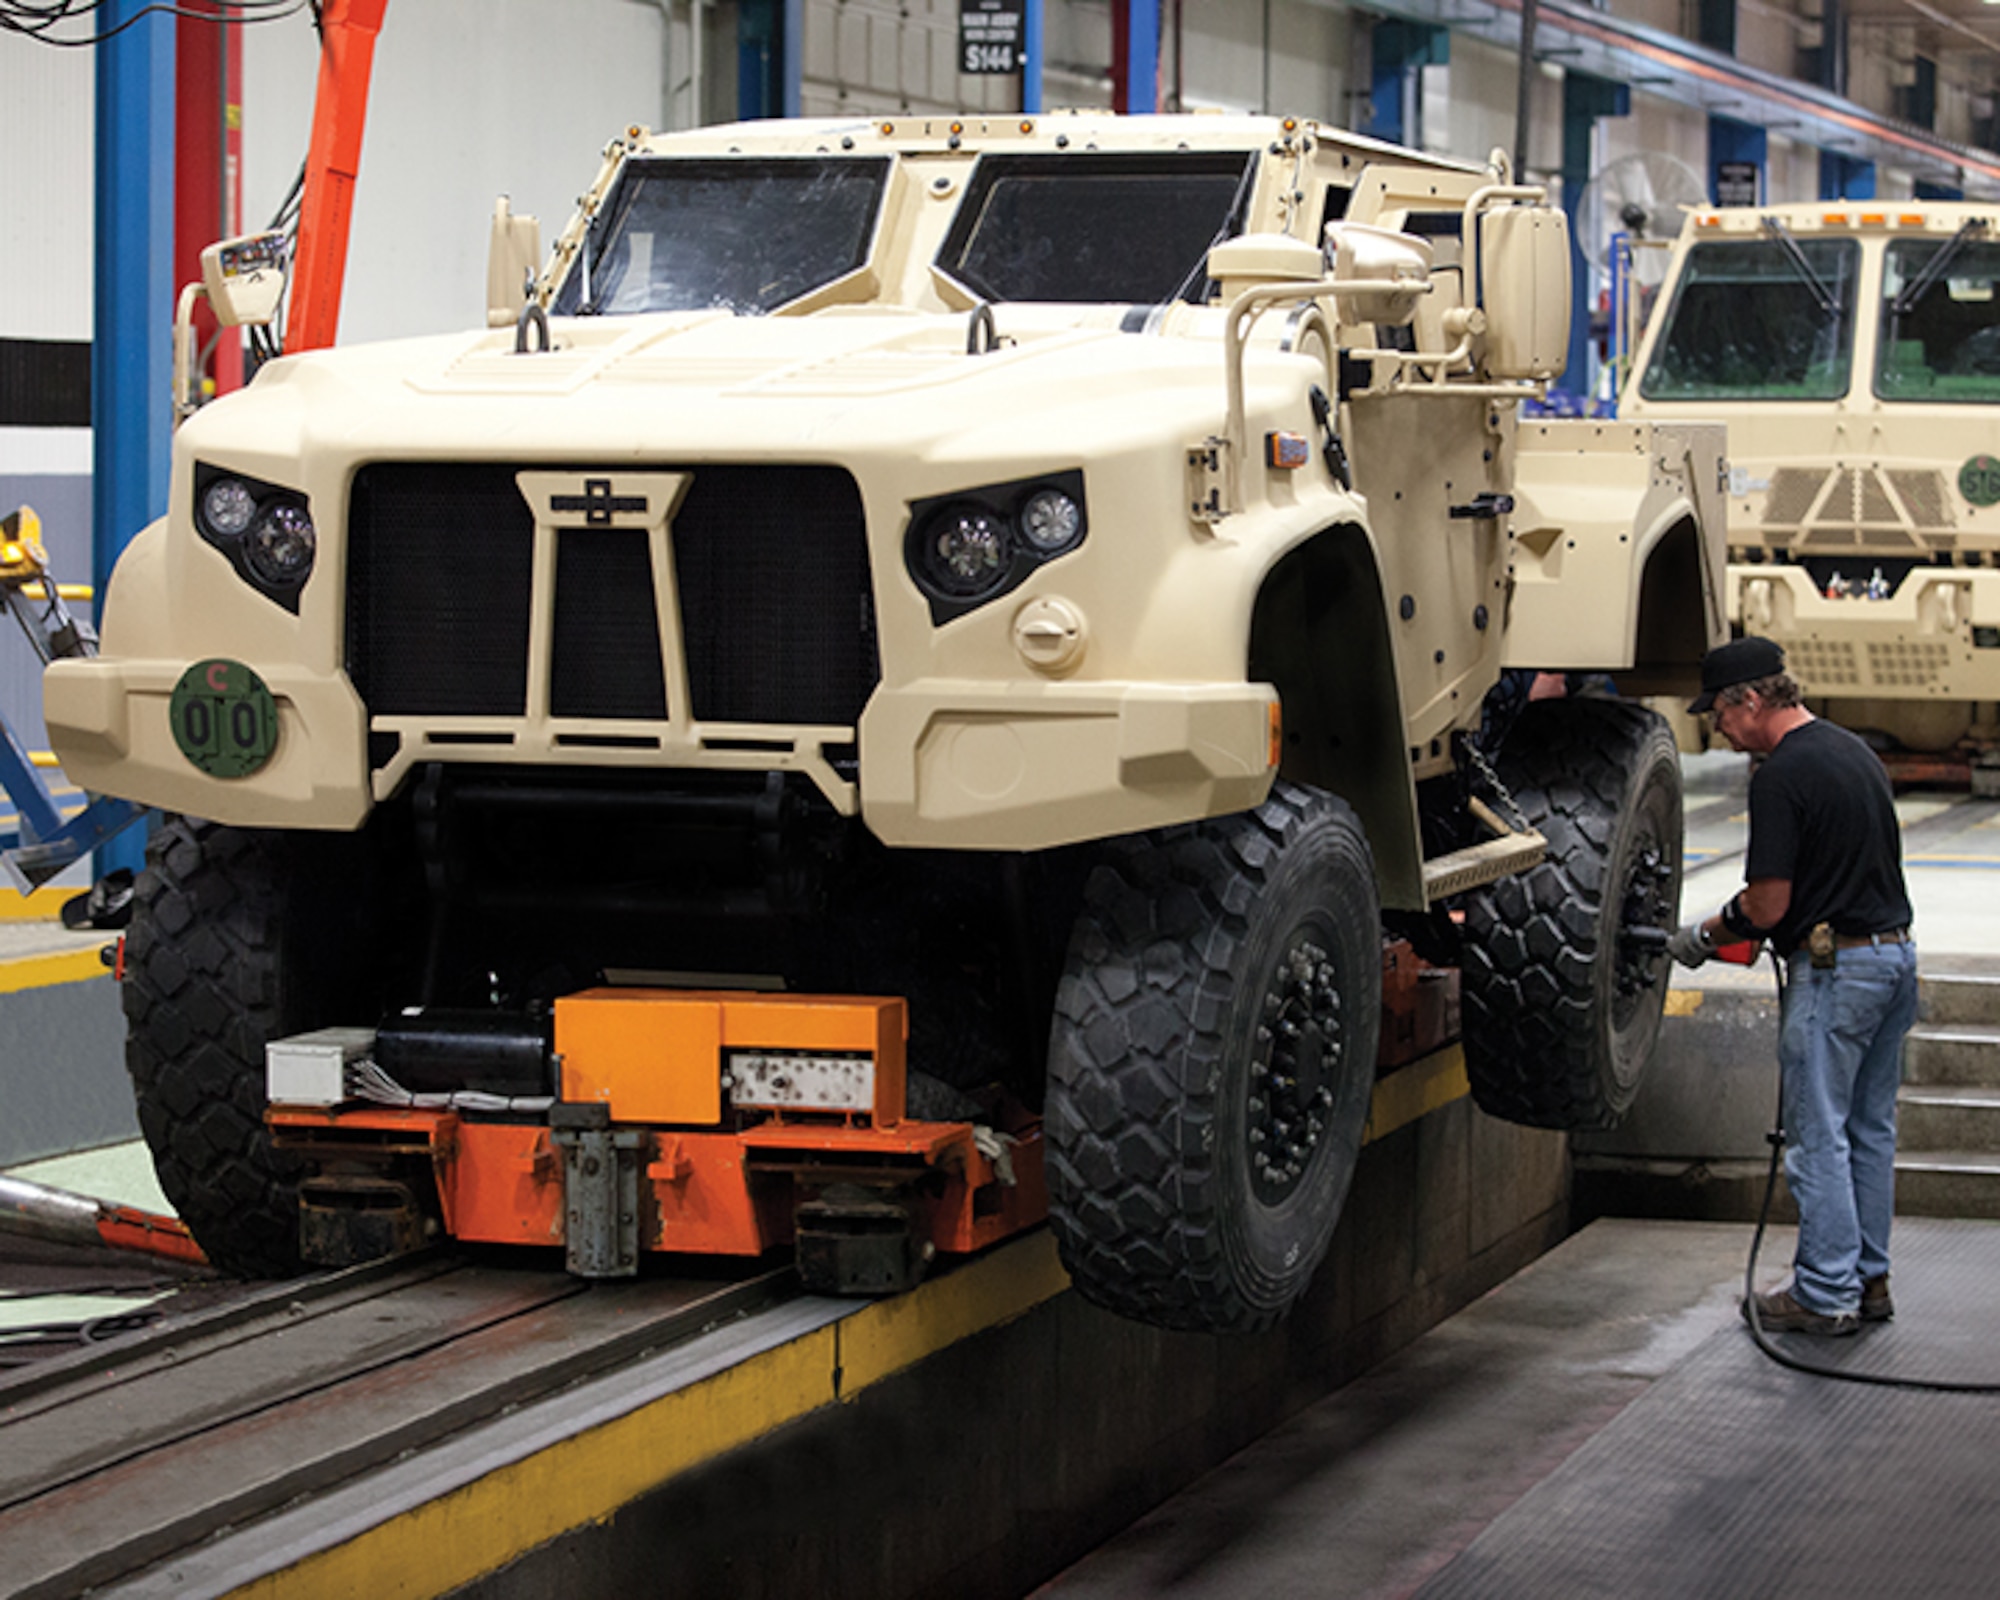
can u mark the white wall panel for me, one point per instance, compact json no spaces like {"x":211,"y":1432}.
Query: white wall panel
{"x":471,"y":99}
{"x":46,"y":180}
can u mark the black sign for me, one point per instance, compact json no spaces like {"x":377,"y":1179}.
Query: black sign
{"x":989,"y":35}
{"x":1736,"y":183}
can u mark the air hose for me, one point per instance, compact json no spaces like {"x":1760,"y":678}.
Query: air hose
{"x":1880,"y":1380}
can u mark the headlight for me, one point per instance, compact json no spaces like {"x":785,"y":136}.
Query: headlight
{"x":969,"y":548}
{"x":1051,"y":520}
{"x":265,"y":530}
{"x":227,"y":505}
{"x":966,"y":552}
{"x":279,"y":547}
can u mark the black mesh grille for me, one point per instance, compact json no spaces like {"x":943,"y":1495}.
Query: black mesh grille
{"x":607,"y":633}
{"x":439,"y":570}
{"x":772,"y":564}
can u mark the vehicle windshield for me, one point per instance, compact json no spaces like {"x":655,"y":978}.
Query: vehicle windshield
{"x":735,"y":233}
{"x":1132,"y":229}
{"x":1758,"y":319}
{"x":1940,"y":341}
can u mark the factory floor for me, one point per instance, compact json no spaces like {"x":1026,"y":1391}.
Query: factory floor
{"x":1602,"y":1424}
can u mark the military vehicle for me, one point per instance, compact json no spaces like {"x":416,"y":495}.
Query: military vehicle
{"x":1047,"y":573}
{"x":1853,"y":350}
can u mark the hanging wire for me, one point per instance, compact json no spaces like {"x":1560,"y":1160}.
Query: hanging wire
{"x":38,"y":21}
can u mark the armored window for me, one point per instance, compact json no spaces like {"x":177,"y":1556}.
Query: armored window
{"x":1940,"y":323}
{"x":1126,"y":229}
{"x":1770,"y":318}
{"x":733,"y":233}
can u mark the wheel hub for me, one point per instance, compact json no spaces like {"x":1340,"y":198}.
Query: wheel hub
{"x":1645,"y":905}
{"x":1293,"y":1068}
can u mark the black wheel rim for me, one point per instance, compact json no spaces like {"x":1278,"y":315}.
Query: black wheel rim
{"x":1295,"y":1062}
{"x":1648,"y":902}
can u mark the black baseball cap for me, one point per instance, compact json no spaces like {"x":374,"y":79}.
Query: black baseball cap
{"x":1739,"y":661}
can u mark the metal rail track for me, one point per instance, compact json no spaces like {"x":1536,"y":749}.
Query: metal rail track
{"x":118,"y":1456}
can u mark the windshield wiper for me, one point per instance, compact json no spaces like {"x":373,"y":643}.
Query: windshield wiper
{"x":1935,"y":268}
{"x":1828,"y":305}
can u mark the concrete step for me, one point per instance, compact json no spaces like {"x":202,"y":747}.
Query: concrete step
{"x":1965,"y":1053}
{"x":1948,"y":1117}
{"x":1959,"y":997}
{"x":1948,"y":1183}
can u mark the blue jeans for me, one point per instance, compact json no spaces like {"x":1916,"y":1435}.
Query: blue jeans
{"x":1840,"y":1044}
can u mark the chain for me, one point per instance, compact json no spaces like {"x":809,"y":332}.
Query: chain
{"x":1492,"y":780}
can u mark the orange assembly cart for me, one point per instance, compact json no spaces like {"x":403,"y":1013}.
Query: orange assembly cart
{"x":692,"y":1121}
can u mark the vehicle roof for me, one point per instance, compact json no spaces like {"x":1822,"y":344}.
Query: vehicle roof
{"x":1048,"y":131}
{"x":1888,"y":217}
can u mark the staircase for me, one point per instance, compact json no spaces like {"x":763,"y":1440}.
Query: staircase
{"x":1948,"y":1134}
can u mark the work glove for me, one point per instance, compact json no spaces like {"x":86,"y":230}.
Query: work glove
{"x":1687,"y":946}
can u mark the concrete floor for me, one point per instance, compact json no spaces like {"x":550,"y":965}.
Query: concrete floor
{"x":1559,"y":1437}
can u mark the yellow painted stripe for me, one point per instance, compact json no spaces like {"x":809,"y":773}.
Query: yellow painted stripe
{"x":1683,"y":1002}
{"x":44,"y":905}
{"x":893,"y":1334}
{"x":42,"y":972}
{"x":482,"y":1526}
{"x":1415,"y":1091}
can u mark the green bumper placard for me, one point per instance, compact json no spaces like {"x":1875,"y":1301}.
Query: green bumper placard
{"x":225,"y":720}
{"x":1979,"y":481}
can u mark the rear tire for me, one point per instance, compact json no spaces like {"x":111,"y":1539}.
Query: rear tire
{"x":1560,"y":1013}
{"x":237,"y":938}
{"x":1212,"y":1061}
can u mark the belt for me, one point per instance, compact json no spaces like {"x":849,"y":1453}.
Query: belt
{"x":1854,"y":941}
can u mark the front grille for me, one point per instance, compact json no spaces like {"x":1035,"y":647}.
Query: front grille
{"x":771,"y":565}
{"x":607,"y":629}
{"x":439,"y":569}
{"x":1793,"y":490}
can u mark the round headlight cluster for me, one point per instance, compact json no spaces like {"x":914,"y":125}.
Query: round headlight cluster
{"x":266,"y":531}
{"x":965,"y":552}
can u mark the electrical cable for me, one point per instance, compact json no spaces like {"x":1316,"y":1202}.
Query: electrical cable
{"x":34,"y":21}
{"x":1880,"y":1380}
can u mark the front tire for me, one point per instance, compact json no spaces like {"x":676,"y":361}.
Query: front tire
{"x":1561,"y":1012}
{"x":1212,"y":1061}
{"x":237,"y":938}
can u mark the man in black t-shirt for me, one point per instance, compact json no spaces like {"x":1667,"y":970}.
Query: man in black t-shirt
{"x":1824,"y":875}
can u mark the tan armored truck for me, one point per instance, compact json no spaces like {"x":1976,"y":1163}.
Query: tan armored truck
{"x":1047,"y":572}
{"x":1853,"y":350}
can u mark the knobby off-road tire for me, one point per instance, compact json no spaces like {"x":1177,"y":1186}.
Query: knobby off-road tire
{"x":237,"y":937}
{"x":1560,"y":1013}
{"x":1211,"y":1062}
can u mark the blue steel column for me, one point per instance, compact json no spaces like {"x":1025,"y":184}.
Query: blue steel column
{"x":1142,"y":72}
{"x":1031,"y":58}
{"x":131,"y":365}
{"x":1585,"y":99}
{"x":1730,"y":140}
{"x":1843,"y":177}
{"x":792,"y":58}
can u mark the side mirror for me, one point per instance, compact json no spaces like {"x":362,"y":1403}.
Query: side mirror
{"x":1361,"y":254}
{"x":512,"y":255}
{"x":244,"y":279}
{"x":1260,"y":258}
{"x":1524,"y":286}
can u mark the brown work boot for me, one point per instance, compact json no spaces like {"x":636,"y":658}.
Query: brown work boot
{"x":1876,"y":1306}
{"x":1778,"y":1312}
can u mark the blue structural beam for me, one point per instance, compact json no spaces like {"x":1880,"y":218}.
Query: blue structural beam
{"x":1031,"y":58}
{"x":769,"y":58}
{"x":1398,"y":49}
{"x":1733,"y":141}
{"x":1585,"y":99}
{"x":131,"y":370}
{"x":1142,"y":84}
{"x":1844,"y":177}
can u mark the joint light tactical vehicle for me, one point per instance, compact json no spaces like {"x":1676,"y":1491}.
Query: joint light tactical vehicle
{"x":1046,"y":574}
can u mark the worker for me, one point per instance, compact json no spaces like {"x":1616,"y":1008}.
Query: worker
{"x":1824,"y":873}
